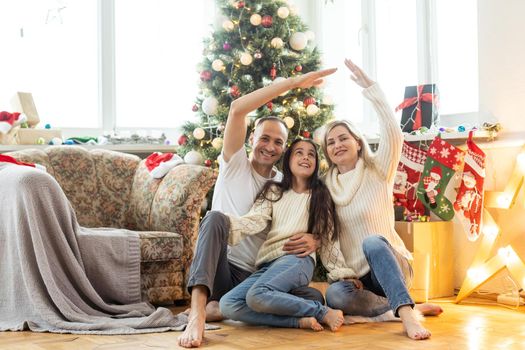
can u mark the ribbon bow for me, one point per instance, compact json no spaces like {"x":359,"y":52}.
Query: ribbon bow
{"x":425,"y":97}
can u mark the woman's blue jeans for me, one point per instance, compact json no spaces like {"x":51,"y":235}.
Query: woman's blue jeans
{"x":385,"y":286}
{"x":263,"y":298}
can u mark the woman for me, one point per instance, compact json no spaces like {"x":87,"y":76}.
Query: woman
{"x":361,"y":183}
{"x":300,"y":203}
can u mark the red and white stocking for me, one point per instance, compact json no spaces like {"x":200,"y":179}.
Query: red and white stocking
{"x":10,"y":120}
{"x":9,"y":159}
{"x":407,"y":178}
{"x":469,"y":200}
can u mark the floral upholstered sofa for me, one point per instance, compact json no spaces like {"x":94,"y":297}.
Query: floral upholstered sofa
{"x":113,"y":189}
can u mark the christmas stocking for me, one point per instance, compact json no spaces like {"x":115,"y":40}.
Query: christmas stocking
{"x":407,"y":178}
{"x":443,"y":160}
{"x":159,"y":164}
{"x":469,"y":201}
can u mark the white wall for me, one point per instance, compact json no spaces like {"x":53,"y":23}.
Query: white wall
{"x":502,"y":94}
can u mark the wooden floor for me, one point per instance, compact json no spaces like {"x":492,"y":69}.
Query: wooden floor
{"x":466,"y":326}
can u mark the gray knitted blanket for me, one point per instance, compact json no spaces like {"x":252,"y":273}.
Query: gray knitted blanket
{"x":59,"y":277}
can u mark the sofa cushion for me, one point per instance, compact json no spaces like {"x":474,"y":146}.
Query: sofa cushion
{"x":160,"y":246}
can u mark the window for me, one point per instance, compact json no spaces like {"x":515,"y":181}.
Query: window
{"x":106,"y":64}
{"x":401,"y":43}
{"x":50,"y":49}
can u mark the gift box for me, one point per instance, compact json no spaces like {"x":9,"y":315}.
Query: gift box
{"x":420,"y":107}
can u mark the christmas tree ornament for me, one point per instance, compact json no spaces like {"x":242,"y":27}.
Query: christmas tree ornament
{"x":306,"y":134}
{"x":255,"y":19}
{"x":234,"y":91}
{"x":267,"y":21}
{"x":226,"y":46}
{"x":312,"y":110}
{"x":217,"y":143}
{"x":240,"y":4}
{"x":193,"y":157}
{"x":277,"y":43}
{"x":205,"y":75}
{"x":283,"y":12}
{"x":207,"y":162}
{"x":469,"y":200}
{"x":182,"y":140}
{"x":40,"y":141}
{"x":246,"y":58}
{"x":228,"y":25}
{"x":210,"y":105}
{"x":195,"y":108}
{"x":269,"y":105}
{"x":318,"y":135}
{"x":298,"y":41}
{"x":298,"y":68}
{"x":308,"y":101}
{"x":407,"y":178}
{"x":310,"y":35}
{"x":199,"y":133}
{"x":217,"y":65}
{"x":257,"y":55}
{"x":289,"y":121}
{"x":443,"y":161}
{"x":273,"y":72}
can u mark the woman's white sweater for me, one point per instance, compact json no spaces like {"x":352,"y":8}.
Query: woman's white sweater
{"x":363,"y":196}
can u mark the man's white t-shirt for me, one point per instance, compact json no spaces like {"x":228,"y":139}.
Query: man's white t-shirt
{"x":235,"y":190}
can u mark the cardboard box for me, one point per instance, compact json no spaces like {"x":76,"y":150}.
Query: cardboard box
{"x":30,"y":136}
{"x":431,"y":245}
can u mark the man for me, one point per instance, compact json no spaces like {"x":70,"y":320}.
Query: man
{"x":217,"y":268}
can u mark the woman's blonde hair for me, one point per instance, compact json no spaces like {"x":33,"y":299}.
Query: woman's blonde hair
{"x":364,"y":153}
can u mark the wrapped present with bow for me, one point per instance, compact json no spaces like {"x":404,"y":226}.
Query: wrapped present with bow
{"x":420,"y":107}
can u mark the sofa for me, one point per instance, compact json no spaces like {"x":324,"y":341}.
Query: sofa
{"x":113,"y":189}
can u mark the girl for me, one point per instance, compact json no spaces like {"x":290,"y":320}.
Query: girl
{"x":361,"y":186}
{"x":300,"y":203}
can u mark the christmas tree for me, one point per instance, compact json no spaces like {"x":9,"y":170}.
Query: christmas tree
{"x":261,"y":42}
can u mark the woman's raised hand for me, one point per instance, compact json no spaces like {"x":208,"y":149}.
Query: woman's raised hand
{"x":308,"y":80}
{"x":358,"y":75}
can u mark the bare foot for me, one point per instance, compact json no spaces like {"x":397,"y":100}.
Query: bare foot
{"x":428,"y":309}
{"x":194,"y":332}
{"x":411,"y":324}
{"x":310,"y":323}
{"x":213,"y":312}
{"x":333,"y":319}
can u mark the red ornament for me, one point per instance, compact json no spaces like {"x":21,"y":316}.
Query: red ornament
{"x":234,"y":91}
{"x":308,"y":101}
{"x":195,"y":108}
{"x":182,"y":140}
{"x":267,"y":21}
{"x":273,"y":72}
{"x":269,"y":105}
{"x":306,"y":134}
{"x":207,"y":162}
{"x":298,"y":68}
{"x":205,"y":75}
{"x":226,"y":46}
{"x":240,"y":4}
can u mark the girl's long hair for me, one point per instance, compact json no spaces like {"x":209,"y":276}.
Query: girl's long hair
{"x":322,"y":216}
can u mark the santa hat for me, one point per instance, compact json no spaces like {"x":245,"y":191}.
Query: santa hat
{"x":10,"y":120}
{"x":9,"y":159}
{"x":435,"y":173}
{"x":159,"y":164}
